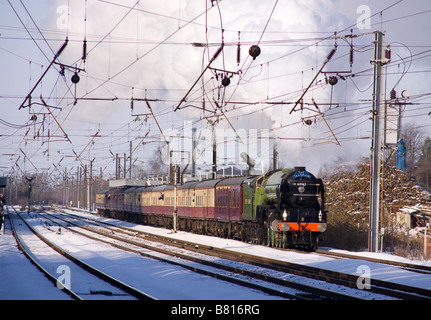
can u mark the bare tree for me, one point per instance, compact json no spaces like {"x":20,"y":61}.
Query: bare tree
{"x":414,"y":139}
{"x":423,"y":172}
{"x":156,"y":165}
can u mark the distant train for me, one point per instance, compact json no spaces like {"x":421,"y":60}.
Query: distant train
{"x":282,"y":208}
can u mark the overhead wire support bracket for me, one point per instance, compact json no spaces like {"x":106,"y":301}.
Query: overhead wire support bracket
{"x":329,"y":57}
{"x":228,"y":122}
{"x":26,"y":157}
{"x":89,"y":142}
{"x":216,"y":54}
{"x":141,"y":141}
{"x":154,"y":117}
{"x":62,"y":65}
{"x":321,"y":114}
{"x":43,"y":75}
{"x":47,"y":107}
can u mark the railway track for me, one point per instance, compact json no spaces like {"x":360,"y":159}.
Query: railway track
{"x":240,"y":274}
{"x":408,"y":266}
{"x":386,"y":288}
{"x":382,"y":288}
{"x":88,"y":283}
{"x":153,"y":250}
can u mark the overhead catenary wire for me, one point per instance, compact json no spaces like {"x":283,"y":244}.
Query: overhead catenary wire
{"x":143,"y":55}
{"x":164,"y":109}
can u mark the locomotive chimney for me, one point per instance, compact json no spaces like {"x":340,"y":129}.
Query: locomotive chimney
{"x":299,"y":169}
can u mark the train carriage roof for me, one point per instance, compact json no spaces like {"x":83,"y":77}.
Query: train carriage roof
{"x":207,"y":183}
{"x":104,"y":191}
{"x":189,"y":185}
{"x":130,"y":190}
{"x":237,"y":181}
{"x":117,"y":190}
{"x":163,"y":187}
{"x":144,"y":189}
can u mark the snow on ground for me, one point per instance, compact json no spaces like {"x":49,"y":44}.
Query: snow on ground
{"x":351,"y":266}
{"x":158,"y":279}
{"x":19,"y":279}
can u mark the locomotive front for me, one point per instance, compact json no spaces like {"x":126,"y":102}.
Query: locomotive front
{"x":300,"y":209}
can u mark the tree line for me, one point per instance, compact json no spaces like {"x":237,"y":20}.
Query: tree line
{"x":418,"y":155}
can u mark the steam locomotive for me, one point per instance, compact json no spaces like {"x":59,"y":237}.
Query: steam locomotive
{"x":282,"y":208}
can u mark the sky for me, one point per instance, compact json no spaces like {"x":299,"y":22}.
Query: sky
{"x":163,"y":55}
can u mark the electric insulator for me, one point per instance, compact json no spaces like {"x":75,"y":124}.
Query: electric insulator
{"x":393,"y":94}
{"x":388,"y":54}
{"x":254,"y":51}
{"x":84,"y":50}
{"x":238,"y":50}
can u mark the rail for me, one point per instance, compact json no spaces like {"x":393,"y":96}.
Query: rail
{"x":133,"y":292}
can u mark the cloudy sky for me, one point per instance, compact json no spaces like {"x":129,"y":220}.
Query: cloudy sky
{"x":160,"y":54}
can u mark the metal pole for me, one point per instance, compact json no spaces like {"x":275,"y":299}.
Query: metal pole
{"x":175,"y":200}
{"x":28,"y":200}
{"x":63,"y":46}
{"x":90,"y":187}
{"x":274,"y":155}
{"x":124,"y":169}
{"x":214,"y":168}
{"x":64,"y":186}
{"x":116,"y":167}
{"x":373,"y":242}
{"x":77,"y":187}
{"x":130,"y":161}
{"x":214,"y":165}
{"x":80,"y":198}
{"x":200,"y":76}
{"x":193,"y":152}
{"x":86,"y":189}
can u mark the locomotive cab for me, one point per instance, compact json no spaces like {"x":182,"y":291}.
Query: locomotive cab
{"x":298,"y":217}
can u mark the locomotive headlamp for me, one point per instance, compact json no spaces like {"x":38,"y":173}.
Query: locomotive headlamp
{"x":284,"y":215}
{"x":321,"y":227}
{"x":285,"y":227}
{"x":275,"y":225}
